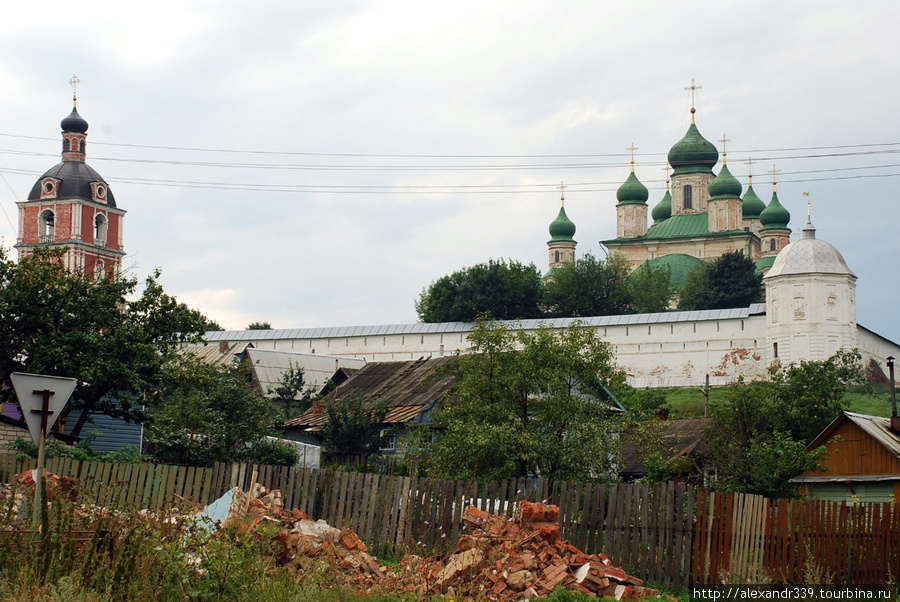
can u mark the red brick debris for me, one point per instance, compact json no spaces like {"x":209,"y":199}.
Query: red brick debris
{"x":507,"y":559}
{"x":501,"y":559}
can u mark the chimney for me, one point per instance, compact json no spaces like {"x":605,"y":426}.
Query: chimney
{"x":223,"y":347}
{"x":895,"y":420}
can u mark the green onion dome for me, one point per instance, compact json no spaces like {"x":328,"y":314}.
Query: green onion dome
{"x":562,"y":229}
{"x":725,"y":186}
{"x":663,"y":209}
{"x":753,"y":205}
{"x":693,"y":154}
{"x":774,"y":216}
{"x":632,"y":191}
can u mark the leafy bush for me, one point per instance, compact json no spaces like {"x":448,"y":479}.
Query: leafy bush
{"x":274,"y":453}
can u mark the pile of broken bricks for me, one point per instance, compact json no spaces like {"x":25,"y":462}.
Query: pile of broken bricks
{"x":501,"y":559}
{"x":519,"y":558}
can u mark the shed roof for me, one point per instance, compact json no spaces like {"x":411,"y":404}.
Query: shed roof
{"x":878,"y":427}
{"x":408,"y":387}
{"x":680,"y":437}
{"x":269,"y":366}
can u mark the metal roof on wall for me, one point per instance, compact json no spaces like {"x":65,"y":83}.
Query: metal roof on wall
{"x":463,"y":327}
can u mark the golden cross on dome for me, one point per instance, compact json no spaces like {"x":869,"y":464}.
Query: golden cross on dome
{"x":774,"y":171}
{"x":724,"y":140}
{"x":749,"y":163}
{"x":667,"y":168}
{"x":562,"y":197}
{"x":632,"y":148}
{"x":693,"y":88}
{"x":74,"y":83}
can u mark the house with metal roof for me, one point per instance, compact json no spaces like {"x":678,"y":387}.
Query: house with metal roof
{"x":411,"y":389}
{"x":266,"y":368}
{"x":863,"y":462}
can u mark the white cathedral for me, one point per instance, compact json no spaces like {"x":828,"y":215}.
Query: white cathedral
{"x":810,"y":292}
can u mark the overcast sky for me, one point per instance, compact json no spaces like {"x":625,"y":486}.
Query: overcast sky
{"x":319,"y":163}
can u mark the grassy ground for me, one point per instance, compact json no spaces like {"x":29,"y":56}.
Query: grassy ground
{"x":690,"y":403}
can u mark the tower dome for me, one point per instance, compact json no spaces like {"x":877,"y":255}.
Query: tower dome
{"x":809,"y":255}
{"x":74,"y":123}
{"x":775,"y":215}
{"x":562,"y":229}
{"x":693,"y":154}
{"x":632,"y":191}
{"x":725,"y":185}
{"x":663,"y":209}
{"x":73,"y":178}
{"x":753,"y":205}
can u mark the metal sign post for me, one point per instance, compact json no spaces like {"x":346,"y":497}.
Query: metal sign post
{"x":41,"y":398}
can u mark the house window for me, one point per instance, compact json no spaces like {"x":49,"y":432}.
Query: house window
{"x":390,"y":439}
{"x":46,"y":228}
{"x":688,"y":197}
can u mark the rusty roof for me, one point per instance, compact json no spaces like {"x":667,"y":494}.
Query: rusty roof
{"x":878,"y":427}
{"x":407,"y":386}
{"x":680,"y":437}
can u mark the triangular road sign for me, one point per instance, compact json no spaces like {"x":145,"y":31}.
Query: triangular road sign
{"x":31,"y":388}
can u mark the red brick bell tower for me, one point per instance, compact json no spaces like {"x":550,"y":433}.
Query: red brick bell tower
{"x":72,"y":206}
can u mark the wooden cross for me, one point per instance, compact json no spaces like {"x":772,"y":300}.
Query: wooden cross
{"x":74,"y":83}
{"x":693,"y":89}
{"x":632,"y":148}
{"x":562,"y":188}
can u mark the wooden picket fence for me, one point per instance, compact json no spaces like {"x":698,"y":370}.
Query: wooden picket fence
{"x":647,"y":529}
{"x":669,"y":534}
{"x":742,"y":538}
{"x":123,"y":486}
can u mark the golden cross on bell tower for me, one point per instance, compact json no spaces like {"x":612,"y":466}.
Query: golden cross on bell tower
{"x":693,"y":88}
{"x":74,"y":83}
{"x":724,"y":140}
{"x":774,"y":171}
{"x":749,"y":163}
{"x":562,"y":197}
{"x":632,"y":148}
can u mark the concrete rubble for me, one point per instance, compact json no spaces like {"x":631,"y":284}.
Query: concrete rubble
{"x":500,"y":559}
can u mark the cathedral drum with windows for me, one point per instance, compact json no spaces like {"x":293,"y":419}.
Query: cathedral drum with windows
{"x":71,"y":206}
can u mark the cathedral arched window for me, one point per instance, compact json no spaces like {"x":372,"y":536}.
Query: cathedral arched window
{"x":773,"y":244}
{"x":46,"y":226}
{"x":688,"y":196}
{"x":81,"y":146}
{"x":100,"y":228}
{"x":557,"y":256}
{"x":66,"y":145}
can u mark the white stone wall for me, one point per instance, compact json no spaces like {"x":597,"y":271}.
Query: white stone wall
{"x":663,"y":347}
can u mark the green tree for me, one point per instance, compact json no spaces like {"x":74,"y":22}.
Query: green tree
{"x":354,"y":426}
{"x":760,"y":431}
{"x":202,"y":413}
{"x":259,"y":326}
{"x":729,"y":281}
{"x":650,"y":289}
{"x":528,"y":403}
{"x":589,"y":287}
{"x":58,"y":323}
{"x":508,"y":291}
{"x":292,"y":392}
